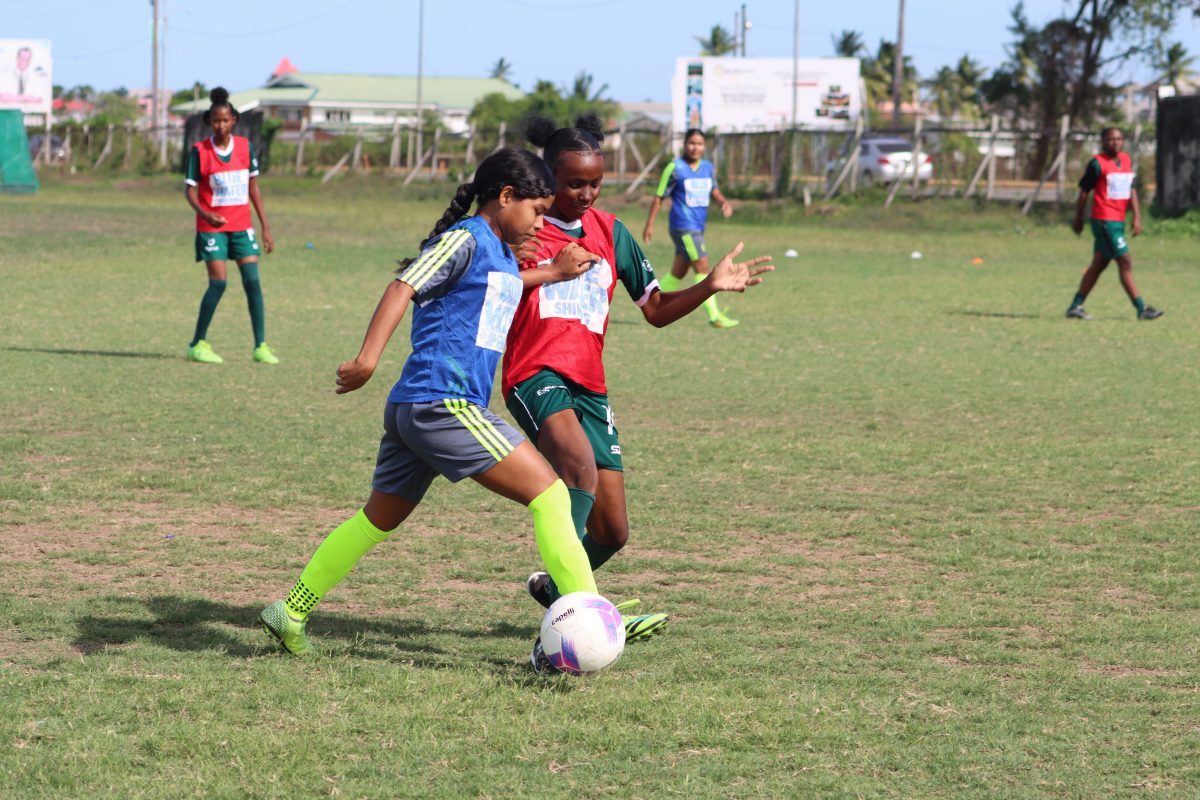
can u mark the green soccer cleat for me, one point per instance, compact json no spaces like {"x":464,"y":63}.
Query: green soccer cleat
{"x":721,"y":321}
{"x":286,"y":629}
{"x":202,"y":352}
{"x":642,"y":626}
{"x":263,"y":355}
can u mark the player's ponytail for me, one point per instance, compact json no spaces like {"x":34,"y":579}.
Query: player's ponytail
{"x":528,"y":175}
{"x":585,"y":137}
{"x":219,"y":98}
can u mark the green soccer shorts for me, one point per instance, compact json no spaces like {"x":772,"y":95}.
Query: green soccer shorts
{"x":218,"y":246}
{"x":533,"y":400}
{"x":1110,"y":238}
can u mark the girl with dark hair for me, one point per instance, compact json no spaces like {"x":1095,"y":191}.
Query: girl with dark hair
{"x":464,"y":287}
{"x":687,"y":183}
{"x":553,"y":373}
{"x":221,"y":184}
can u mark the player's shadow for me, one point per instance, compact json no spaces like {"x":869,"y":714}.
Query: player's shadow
{"x":62,"y":351}
{"x":191,"y":625}
{"x":993,"y":314}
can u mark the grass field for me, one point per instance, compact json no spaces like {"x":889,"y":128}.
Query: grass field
{"x":920,"y":536}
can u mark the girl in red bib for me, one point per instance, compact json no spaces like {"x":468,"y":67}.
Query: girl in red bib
{"x":221,"y":184}
{"x":553,"y":370}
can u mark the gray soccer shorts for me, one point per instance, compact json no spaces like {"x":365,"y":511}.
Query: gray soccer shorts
{"x":689,"y":244}
{"x":453,"y":438}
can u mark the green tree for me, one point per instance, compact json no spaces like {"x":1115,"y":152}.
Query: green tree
{"x":502,"y":70}
{"x":196,"y":90}
{"x":1173,"y":65}
{"x":113,"y":108}
{"x":848,"y":44}
{"x":719,"y":42}
{"x":877,"y":72}
{"x":954,"y":91}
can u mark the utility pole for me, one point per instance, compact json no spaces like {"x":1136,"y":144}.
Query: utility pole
{"x":745,"y":27}
{"x":898,"y":71}
{"x":795,"y":61}
{"x":154,"y":68}
{"x":420,"y":75}
{"x":737,"y":33}
{"x":162,"y":87}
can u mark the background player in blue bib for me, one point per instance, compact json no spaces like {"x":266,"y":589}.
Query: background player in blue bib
{"x":689,"y":183}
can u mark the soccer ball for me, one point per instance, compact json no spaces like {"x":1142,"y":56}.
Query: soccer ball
{"x":582,"y":633}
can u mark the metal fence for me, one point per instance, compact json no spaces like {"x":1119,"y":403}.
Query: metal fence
{"x":988,"y":160}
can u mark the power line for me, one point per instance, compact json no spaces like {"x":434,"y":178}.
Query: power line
{"x":208,"y":34}
{"x":131,"y":45}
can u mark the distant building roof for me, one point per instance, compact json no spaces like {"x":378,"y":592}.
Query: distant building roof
{"x":285,"y":67}
{"x":328,"y":89}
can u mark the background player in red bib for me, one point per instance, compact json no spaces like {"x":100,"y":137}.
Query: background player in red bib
{"x":222,"y":182}
{"x":553,"y":371}
{"x":1109,"y":178}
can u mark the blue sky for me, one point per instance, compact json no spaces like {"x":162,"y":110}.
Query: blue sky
{"x":629,"y":44}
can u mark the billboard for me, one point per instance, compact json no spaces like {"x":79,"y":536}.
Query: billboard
{"x":749,"y":94}
{"x":25,"y":82}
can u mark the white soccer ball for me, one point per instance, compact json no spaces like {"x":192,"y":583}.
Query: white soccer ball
{"x":582,"y":633}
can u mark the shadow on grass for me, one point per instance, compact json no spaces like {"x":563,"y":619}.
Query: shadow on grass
{"x":191,"y":625}
{"x":995,"y":314}
{"x":105,"y":353}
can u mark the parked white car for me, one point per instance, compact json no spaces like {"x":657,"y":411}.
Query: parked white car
{"x":884,"y":159}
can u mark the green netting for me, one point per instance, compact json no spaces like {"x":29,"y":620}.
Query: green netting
{"x":16,"y":167}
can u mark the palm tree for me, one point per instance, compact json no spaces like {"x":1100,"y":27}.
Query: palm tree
{"x":502,"y":69}
{"x":719,"y":42}
{"x":1174,"y":64}
{"x":582,"y":89}
{"x":848,"y":44}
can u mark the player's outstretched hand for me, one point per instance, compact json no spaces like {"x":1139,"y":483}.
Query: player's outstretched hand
{"x":647,"y":234}
{"x":1077,"y":226}
{"x":734,"y":276}
{"x":571,"y":262}
{"x":352,"y":375}
{"x":268,"y":241}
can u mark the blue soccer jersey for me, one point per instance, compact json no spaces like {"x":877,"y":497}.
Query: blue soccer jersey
{"x":690,"y":191}
{"x":466,"y":287}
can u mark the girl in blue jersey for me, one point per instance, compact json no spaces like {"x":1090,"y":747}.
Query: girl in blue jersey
{"x":464,"y":286}
{"x":689,"y":183}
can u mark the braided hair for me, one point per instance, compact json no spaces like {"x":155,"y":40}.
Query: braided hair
{"x":585,"y":137}
{"x":220,"y":99}
{"x":528,"y":175}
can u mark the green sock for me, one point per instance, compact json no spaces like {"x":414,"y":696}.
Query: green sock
{"x":581,"y":506}
{"x":254,"y":299}
{"x":208,"y":307}
{"x":1139,"y":304}
{"x":669,"y":283}
{"x":598,"y":553}
{"x":1078,"y":301}
{"x":710,"y":305}
{"x":332,"y":562}
{"x":560,"y":549}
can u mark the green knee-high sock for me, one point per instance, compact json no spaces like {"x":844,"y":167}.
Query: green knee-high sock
{"x":710,"y":305}
{"x":581,"y":506}
{"x":557,"y":543}
{"x":254,"y":299}
{"x":208,"y":307}
{"x":598,"y":554}
{"x":333,"y":560}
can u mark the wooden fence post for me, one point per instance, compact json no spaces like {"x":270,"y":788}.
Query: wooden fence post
{"x":300,"y":145}
{"x":394,"y":155}
{"x":356,"y":159}
{"x":1060,"y":182}
{"x":128,"y":147}
{"x":991,"y":170}
{"x":916,"y":156}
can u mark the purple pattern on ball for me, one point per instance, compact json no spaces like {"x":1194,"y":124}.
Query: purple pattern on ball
{"x":566,"y":660}
{"x":609,"y":616}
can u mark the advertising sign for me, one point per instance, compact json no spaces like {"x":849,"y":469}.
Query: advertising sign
{"x":749,"y":94}
{"x":25,"y":81}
